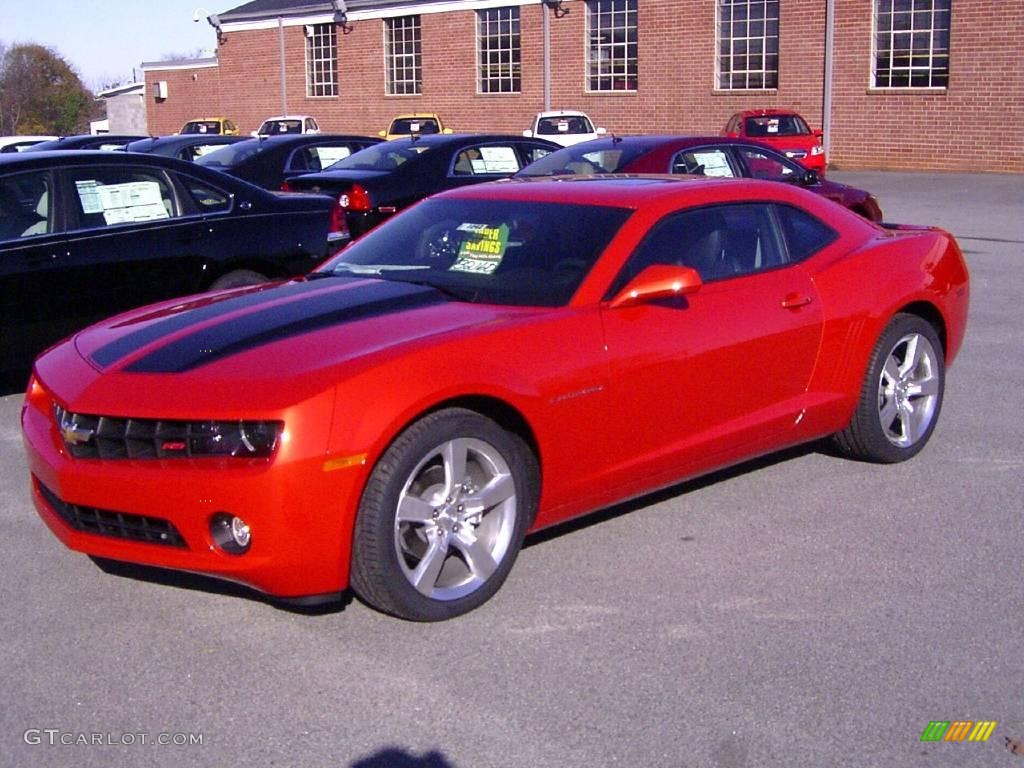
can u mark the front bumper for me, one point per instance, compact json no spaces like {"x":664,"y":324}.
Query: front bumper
{"x":300,"y":514}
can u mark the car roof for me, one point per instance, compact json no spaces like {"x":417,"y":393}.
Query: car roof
{"x":455,"y":139}
{"x":562,"y":113}
{"x":66,"y":157}
{"x":286,"y":117}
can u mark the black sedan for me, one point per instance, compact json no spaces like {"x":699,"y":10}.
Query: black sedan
{"x":373,"y":184}
{"x":84,"y":235}
{"x":184,"y":147}
{"x":700,"y":155}
{"x":108,"y":141}
{"x":270,"y":160}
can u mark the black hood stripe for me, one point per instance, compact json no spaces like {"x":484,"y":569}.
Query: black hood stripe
{"x":130,"y":343}
{"x":284,"y":321}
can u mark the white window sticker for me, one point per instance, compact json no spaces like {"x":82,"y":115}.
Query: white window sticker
{"x":331,"y":155}
{"x":122,"y":203}
{"x":773,"y":126}
{"x":88,"y":196}
{"x":714,"y":162}
{"x":496,"y":160}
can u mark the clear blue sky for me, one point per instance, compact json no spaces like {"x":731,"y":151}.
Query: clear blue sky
{"x":104,"y":40}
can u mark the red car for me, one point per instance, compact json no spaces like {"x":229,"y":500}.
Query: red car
{"x":494,"y":360}
{"x":700,"y":155}
{"x":783,"y":129}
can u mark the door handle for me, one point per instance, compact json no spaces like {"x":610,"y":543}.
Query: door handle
{"x":796,"y":300}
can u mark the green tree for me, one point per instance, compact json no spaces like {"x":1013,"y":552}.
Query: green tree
{"x":40,"y":93}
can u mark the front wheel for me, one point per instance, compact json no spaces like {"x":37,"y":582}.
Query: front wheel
{"x":443,"y":516}
{"x":901,"y":395}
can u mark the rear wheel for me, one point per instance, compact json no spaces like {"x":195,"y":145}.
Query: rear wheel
{"x":901,"y":395}
{"x":443,"y":516}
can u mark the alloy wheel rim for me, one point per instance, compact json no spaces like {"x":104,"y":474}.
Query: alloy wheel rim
{"x":455,"y":519}
{"x":908,"y":390}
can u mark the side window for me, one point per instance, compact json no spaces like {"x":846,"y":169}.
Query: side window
{"x":720,"y":242}
{"x":805,"y":235}
{"x":703,"y":162}
{"x":115,"y":195}
{"x":25,"y":207}
{"x":533,"y":152}
{"x":764,"y":165}
{"x":491,"y":160}
{"x":207,"y":198}
{"x":318,"y":158}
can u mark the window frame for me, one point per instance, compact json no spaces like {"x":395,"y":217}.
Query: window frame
{"x":404,"y":60}
{"x":768,"y":44}
{"x":934,"y":52}
{"x":326,"y":77}
{"x":508,"y":56}
{"x":625,"y":67}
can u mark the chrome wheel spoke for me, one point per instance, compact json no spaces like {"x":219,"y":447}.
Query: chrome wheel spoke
{"x":499,"y":489}
{"x":424,"y":577}
{"x":413,"y":509}
{"x":911,"y":355}
{"x":454,"y":454}
{"x":888,"y":412}
{"x":477,"y":555}
{"x":926,"y":388}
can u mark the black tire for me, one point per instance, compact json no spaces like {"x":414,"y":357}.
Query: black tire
{"x":898,"y":410}
{"x":238,"y":278}
{"x":451,"y":548}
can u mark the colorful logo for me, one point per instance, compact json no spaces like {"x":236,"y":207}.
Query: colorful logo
{"x":958,"y":730}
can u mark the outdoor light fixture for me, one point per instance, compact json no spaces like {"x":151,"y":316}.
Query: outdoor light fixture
{"x":341,"y":15}
{"x":213,"y":19}
{"x":558,"y":7}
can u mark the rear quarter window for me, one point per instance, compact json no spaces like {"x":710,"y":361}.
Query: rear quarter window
{"x":805,"y":235}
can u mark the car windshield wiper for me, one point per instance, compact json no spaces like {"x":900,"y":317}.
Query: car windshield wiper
{"x":369,"y":270}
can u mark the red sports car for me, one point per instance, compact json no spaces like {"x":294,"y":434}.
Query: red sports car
{"x":783,"y":129}
{"x":494,"y":360}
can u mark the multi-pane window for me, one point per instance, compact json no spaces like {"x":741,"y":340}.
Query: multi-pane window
{"x":498,"y":50}
{"x":612,"y":45}
{"x":403,"y":49}
{"x":911,"y":44}
{"x":321,"y":60}
{"x":748,"y":44}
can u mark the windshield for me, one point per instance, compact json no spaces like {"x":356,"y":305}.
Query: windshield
{"x":406,"y":126}
{"x":584,"y":158}
{"x":276,"y":127}
{"x":552,"y":126}
{"x":776,"y":125}
{"x":487,"y":251}
{"x":382,"y":157}
{"x":201,"y":126}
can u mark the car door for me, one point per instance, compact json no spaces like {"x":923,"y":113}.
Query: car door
{"x":131,"y":238}
{"x":485,"y":162}
{"x":694,"y":379}
{"x":37,"y":306}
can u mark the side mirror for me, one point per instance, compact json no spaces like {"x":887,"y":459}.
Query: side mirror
{"x":382,"y":134}
{"x":600,"y":131}
{"x":818,"y":133}
{"x":447,"y":130}
{"x":255,"y":134}
{"x":732,"y":135}
{"x":810,"y":178}
{"x":660,"y":281}
{"x":528,"y":133}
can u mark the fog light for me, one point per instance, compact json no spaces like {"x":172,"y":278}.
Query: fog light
{"x":231,"y":533}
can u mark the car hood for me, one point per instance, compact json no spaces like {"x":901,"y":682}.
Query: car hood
{"x":265,"y":344}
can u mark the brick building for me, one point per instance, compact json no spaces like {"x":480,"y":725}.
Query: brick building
{"x":912,"y":84}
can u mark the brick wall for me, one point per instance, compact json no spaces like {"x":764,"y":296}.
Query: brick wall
{"x":974,"y":125}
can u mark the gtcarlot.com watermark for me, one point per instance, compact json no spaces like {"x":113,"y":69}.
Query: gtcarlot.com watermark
{"x":58,"y":737}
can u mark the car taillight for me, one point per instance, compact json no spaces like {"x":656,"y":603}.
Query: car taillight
{"x":286,"y":187}
{"x":356,"y":199}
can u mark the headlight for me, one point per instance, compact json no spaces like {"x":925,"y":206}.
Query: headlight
{"x":817,"y":149}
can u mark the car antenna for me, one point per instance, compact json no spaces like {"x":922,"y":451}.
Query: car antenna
{"x":616,"y":138}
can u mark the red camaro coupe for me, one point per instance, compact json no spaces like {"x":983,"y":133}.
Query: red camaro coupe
{"x":494,"y":360}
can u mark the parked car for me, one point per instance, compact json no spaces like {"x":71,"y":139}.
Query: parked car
{"x":19,"y":143}
{"x":209,"y":126}
{"x":419,"y":123}
{"x":564,"y":127}
{"x":782,"y":129}
{"x":374,"y":183}
{"x":104,"y":141}
{"x":495,"y":360}
{"x":189,"y":147}
{"x":84,"y":235}
{"x":268,"y":162}
{"x":701,"y":155}
{"x":287,"y":124}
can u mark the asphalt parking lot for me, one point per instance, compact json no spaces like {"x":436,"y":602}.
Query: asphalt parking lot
{"x":803,"y":610}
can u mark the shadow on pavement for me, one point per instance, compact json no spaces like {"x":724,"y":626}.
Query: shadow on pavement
{"x":394,"y":757}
